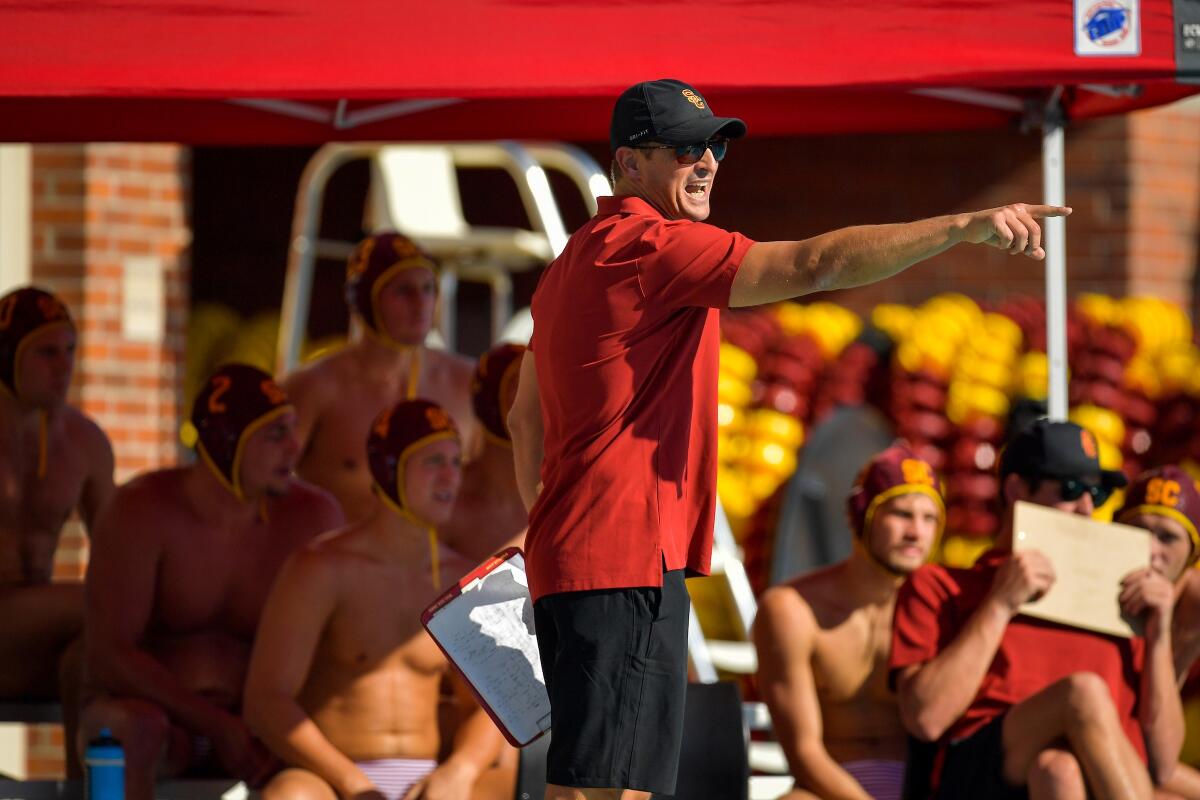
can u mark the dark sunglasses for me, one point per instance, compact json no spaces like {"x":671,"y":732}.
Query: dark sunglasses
{"x":690,"y":153}
{"x":1071,"y":490}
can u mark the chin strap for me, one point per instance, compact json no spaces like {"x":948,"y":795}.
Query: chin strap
{"x":435,"y":566}
{"x":414,"y":374}
{"x":430,"y":530}
{"x":42,"y":442}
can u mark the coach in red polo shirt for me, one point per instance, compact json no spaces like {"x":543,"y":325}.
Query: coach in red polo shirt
{"x":1026,"y":707}
{"x":614,"y":425}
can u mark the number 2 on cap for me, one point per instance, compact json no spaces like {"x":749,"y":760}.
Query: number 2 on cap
{"x":221,"y":385}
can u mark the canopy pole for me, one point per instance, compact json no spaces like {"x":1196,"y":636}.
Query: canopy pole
{"x":1054,"y":242}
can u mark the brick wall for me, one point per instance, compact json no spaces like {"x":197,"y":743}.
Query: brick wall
{"x":94,"y":208}
{"x":1164,"y":206}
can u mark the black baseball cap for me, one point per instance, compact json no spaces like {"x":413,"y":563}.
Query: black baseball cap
{"x":1057,"y":450}
{"x":667,"y":111}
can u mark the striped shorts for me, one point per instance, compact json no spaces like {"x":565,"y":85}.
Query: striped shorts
{"x":883,"y":780}
{"x":395,"y":776}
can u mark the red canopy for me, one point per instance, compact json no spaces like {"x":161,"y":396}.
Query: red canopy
{"x":199,"y":70}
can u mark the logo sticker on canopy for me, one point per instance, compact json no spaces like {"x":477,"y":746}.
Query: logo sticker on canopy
{"x":1107,"y":28}
{"x":1187,"y":40}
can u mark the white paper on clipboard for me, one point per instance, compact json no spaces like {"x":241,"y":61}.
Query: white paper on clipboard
{"x":1090,"y":558}
{"x":485,"y":627}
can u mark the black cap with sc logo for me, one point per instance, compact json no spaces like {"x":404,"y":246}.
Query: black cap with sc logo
{"x":667,"y":111}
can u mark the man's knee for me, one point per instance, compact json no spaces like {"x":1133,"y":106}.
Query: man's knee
{"x":297,"y":784}
{"x":1089,"y":701}
{"x":1058,"y":773}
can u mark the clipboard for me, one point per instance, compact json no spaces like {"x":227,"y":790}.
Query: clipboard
{"x":1090,"y":558}
{"x":484,"y":626}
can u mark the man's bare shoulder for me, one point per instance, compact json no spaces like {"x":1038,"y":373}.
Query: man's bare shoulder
{"x":458,"y":367}
{"x":786,"y":613}
{"x":83,"y":430}
{"x":328,"y":561}
{"x":822,"y":587}
{"x":312,"y":505}
{"x":339,"y":548}
{"x":322,"y":375}
{"x":147,"y":501}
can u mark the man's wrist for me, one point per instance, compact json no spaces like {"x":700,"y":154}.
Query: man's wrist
{"x":958,"y":227}
{"x":997,"y":611}
{"x":352,"y":782}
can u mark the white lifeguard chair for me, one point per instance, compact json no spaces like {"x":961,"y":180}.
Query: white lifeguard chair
{"x":414,"y":189}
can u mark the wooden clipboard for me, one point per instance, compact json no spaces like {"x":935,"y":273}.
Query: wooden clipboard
{"x":1090,"y":558}
{"x":484,"y":625}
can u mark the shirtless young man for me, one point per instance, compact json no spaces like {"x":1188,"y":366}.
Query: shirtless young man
{"x":53,"y":460}
{"x":181,"y":566}
{"x":823,"y":640}
{"x":489,"y":514}
{"x":343,"y":683}
{"x":392,"y":290}
{"x":1166,"y":502}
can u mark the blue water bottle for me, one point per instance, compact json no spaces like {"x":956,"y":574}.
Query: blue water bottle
{"x":105,"y":761}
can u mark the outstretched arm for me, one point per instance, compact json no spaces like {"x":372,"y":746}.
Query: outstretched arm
{"x":773,"y":271}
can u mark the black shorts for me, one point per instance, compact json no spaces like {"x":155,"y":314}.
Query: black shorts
{"x":615,"y":662}
{"x":974,"y":767}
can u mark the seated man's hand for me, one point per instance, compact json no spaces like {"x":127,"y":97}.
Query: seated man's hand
{"x":450,"y":781}
{"x":1026,"y":576}
{"x":1147,"y":592}
{"x":242,"y":755}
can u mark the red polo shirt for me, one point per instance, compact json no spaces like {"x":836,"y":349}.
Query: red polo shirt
{"x":935,"y":603}
{"x":625,"y":343}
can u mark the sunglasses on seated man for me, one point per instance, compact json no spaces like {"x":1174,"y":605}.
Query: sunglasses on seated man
{"x":690,"y":153}
{"x":1071,"y":489}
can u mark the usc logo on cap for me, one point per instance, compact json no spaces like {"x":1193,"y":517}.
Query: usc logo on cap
{"x":916,"y":471}
{"x":1163,"y":492}
{"x":1089,"y":444}
{"x":693,"y":98}
{"x":438,"y":419}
